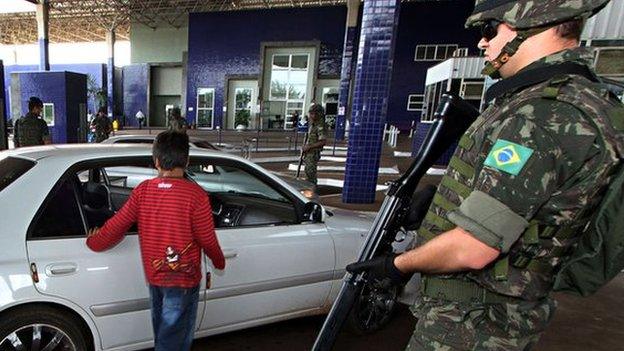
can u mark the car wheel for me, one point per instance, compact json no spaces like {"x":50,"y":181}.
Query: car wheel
{"x":41,"y":328}
{"x":373,"y":308}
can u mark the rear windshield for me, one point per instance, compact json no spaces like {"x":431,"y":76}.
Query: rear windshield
{"x":12,"y":168}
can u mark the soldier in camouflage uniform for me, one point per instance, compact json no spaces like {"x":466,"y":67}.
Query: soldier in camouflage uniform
{"x":31,"y":130}
{"x":177,"y":123}
{"x":102,"y":125}
{"x":316,"y":141}
{"x":520,"y":187}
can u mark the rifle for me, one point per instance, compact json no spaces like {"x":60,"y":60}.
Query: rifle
{"x":452,"y":119}
{"x":305,"y":141}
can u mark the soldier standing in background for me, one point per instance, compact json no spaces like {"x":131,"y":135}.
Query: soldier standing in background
{"x":316,"y":141}
{"x":31,"y":130}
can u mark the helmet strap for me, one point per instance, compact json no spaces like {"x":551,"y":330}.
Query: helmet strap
{"x":492,"y":67}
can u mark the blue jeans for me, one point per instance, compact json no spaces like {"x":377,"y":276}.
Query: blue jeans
{"x":174,"y":311}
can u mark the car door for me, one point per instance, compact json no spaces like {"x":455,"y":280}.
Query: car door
{"x":276,"y":265}
{"x":110,"y":286}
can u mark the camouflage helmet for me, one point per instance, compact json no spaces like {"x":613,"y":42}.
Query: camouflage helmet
{"x":528,"y":18}
{"x":316,"y":108}
{"x":525,"y":14}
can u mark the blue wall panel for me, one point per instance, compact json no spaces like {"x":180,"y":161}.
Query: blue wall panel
{"x":66,"y":90}
{"x":433,"y":22}
{"x":96,"y":71}
{"x":228,"y":43}
{"x":135,"y":92}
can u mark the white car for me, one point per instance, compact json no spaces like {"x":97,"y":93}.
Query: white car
{"x":285,"y":254}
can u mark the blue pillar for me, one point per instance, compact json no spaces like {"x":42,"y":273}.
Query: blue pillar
{"x":43,"y":17}
{"x":348,"y":52}
{"x":110,"y":72}
{"x":370,"y":99}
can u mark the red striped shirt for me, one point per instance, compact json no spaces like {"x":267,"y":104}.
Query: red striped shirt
{"x":175,"y":223}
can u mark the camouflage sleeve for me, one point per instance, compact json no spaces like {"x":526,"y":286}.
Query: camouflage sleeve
{"x":524,"y":166}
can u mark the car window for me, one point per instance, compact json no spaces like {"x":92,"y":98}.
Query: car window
{"x":204,"y":145}
{"x":12,"y":168}
{"x":129,"y":176}
{"x":134,"y":141}
{"x":233,"y":180}
{"x":60,"y":215}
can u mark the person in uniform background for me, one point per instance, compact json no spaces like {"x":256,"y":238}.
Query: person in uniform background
{"x":31,"y":130}
{"x":520,"y":187}
{"x":175,"y":224}
{"x":316,"y":141}
{"x":102,"y":125}
{"x":177,"y":123}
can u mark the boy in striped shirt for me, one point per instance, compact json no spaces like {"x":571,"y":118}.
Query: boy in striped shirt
{"x":175,"y":223}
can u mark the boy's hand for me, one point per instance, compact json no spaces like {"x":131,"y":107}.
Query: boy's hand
{"x":93,"y":231}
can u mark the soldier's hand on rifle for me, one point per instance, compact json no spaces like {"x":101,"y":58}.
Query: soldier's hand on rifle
{"x":381,"y":268}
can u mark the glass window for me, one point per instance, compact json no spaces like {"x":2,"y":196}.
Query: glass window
{"x":610,"y":61}
{"x":300,"y":61}
{"x":415,"y":102}
{"x":281,"y":61}
{"x":60,"y":216}
{"x":205,"y":107}
{"x":289,"y":83}
{"x":242,"y":113}
{"x":129,"y":176}
{"x":48,"y":113}
{"x":472,"y":90}
{"x":12,"y":168}
{"x":434,"y":52}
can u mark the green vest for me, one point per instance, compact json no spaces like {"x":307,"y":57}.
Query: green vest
{"x":30,"y":130}
{"x":529,"y":269}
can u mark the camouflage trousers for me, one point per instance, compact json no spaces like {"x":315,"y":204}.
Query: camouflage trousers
{"x":310,"y":160}
{"x":451,"y":326}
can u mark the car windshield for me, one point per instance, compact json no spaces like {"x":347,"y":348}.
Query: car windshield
{"x":12,"y":168}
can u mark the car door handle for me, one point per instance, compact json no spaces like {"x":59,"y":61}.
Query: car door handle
{"x":61,"y":269}
{"x":229,"y":253}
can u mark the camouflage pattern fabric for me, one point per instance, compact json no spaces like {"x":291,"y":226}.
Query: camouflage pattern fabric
{"x":178,"y":124}
{"x":574,"y":151}
{"x":526,"y":14}
{"x":316,"y":133}
{"x":30,"y":131}
{"x":102,"y":128}
{"x":445,"y":326}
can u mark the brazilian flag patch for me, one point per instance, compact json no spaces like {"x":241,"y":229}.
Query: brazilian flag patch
{"x":508,"y":157}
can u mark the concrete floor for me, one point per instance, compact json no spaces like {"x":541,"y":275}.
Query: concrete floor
{"x":580,"y":324}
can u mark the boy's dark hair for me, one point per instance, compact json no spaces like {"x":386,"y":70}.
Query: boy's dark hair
{"x":34,"y":102}
{"x":171,"y":149}
{"x":571,"y":29}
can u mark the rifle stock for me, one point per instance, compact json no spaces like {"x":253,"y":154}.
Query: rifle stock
{"x":452,"y":119}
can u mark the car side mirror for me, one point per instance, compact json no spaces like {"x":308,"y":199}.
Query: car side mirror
{"x":313,"y":211}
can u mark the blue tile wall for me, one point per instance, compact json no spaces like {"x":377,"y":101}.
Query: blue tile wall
{"x":348,"y":53}
{"x":228,"y":43}
{"x":66,"y":90}
{"x":370,"y":99}
{"x":97,"y":71}
{"x":420,"y":132}
{"x":135,"y":94}
{"x":110,"y":87}
{"x":428,"y":22}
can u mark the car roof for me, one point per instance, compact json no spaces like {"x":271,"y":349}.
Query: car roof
{"x":112,"y":139}
{"x":78,"y":152}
